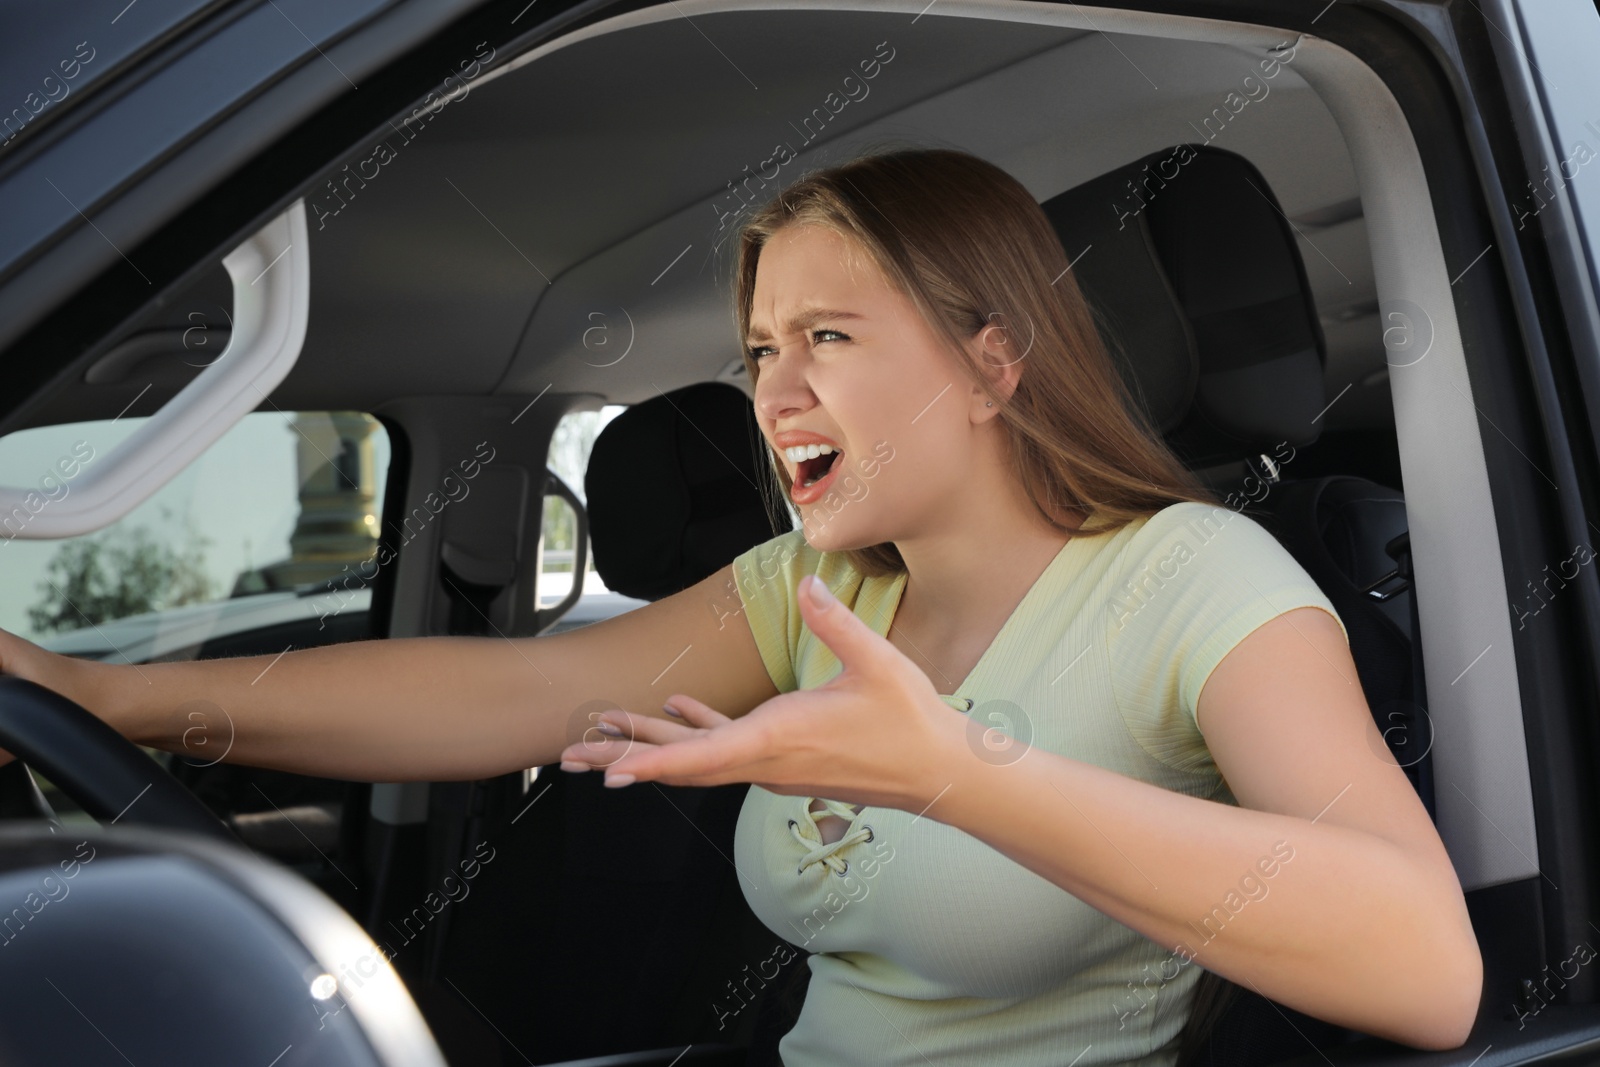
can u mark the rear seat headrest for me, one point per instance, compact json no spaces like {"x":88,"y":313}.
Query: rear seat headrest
{"x":671,"y":490}
{"x":1193,"y":266}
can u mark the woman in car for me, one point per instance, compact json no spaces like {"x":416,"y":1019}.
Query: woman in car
{"x":1037,"y":726}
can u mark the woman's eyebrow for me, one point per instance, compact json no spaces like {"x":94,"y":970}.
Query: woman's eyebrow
{"x":809,"y":316}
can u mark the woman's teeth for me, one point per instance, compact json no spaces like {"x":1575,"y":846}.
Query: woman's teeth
{"x":799,"y":455}
{"x":803,"y":452}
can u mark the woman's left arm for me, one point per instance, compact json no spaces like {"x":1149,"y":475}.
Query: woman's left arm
{"x":1328,"y":888}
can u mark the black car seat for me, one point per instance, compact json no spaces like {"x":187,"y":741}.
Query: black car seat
{"x":1199,"y":226}
{"x":630,"y":927}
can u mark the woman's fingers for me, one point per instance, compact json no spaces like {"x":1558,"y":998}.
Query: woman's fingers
{"x":616,"y":732}
{"x":599,"y":754}
{"x":712,"y":757}
{"x":651,"y":728}
{"x":694,"y":712}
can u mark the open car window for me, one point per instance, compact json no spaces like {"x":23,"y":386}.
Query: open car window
{"x":269,"y":529}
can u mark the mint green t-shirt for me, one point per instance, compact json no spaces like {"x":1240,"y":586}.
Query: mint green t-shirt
{"x":931,"y":946}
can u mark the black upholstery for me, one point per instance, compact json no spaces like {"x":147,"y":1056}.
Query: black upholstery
{"x":1227,"y":259}
{"x":671,"y":490}
{"x":1201,"y":288}
{"x":1115,"y":264}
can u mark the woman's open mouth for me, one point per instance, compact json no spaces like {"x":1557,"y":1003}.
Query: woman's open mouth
{"x":812,"y":477}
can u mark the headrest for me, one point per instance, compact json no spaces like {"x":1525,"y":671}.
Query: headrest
{"x":1190,"y":261}
{"x":1114,"y":261}
{"x":671,"y":490}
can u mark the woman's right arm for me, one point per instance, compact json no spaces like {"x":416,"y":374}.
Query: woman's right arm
{"x":423,"y":708}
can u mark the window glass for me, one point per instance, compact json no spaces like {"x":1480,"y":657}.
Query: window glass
{"x":569,"y":457}
{"x":248,"y":537}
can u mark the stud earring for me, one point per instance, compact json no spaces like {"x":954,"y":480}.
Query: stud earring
{"x":990,"y":404}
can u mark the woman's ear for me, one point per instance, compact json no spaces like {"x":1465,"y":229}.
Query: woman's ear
{"x":999,"y":352}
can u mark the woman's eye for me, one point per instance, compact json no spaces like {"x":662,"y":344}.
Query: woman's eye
{"x":756,"y":352}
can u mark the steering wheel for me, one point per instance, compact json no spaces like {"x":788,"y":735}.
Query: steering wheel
{"x":107,"y":775}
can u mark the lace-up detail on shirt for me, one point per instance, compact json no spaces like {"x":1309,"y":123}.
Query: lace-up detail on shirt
{"x":827,"y":853}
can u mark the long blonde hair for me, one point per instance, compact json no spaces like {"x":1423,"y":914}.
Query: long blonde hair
{"x":970,"y":247}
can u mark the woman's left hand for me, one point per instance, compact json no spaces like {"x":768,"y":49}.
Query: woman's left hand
{"x":876,"y":734}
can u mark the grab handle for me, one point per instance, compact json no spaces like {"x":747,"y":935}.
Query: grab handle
{"x":271,"y":275}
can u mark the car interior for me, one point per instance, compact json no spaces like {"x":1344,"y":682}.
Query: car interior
{"x":1262,"y":250}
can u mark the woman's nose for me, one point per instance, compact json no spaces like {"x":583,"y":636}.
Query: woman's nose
{"x":781,"y":389}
